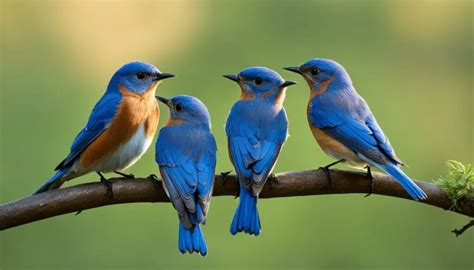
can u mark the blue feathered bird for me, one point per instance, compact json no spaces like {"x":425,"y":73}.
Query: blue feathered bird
{"x":344,"y":126}
{"x":119,"y":130}
{"x":186,"y":155}
{"x":257,"y":128}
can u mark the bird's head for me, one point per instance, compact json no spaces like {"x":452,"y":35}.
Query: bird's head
{"x":260,"y":82}
{"x":186,"y":109}
{"x":139,"y":77}
{"x":320,"y":72}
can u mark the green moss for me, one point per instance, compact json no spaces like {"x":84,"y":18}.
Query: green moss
{"x":459,"y":182}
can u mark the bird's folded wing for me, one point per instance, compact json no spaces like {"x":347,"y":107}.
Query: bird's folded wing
{"x":188,"y":181}
{"x":99,"y":120}
{"x":254,"y":158}
{"x":362,"y":136}
{"x":382,"y":140}
{"x":205,"y":176}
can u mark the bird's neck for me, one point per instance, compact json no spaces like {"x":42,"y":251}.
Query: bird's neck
{"x":188,"y":123}
{"x":274,"y":97}
{"x":149,"y":94}
{"x":318,"y":88}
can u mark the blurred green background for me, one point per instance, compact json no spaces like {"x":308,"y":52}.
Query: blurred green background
{"x":412,"y":61}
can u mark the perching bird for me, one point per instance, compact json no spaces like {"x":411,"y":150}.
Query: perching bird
{"x":119,"y":130}
{"x":186,"y":155}
{"x":344,"y":126}
{"x":257,"y":128}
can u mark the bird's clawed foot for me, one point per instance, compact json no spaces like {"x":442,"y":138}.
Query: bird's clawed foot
{"x":156,"y":180}
{"x":130,"y":176}
{"x":224,"y":176}
{"x":108,"y":185}
{"x":328,"y":173}
{"x":237,"y":194}
{"x":272,"y":180}
{"x":371,"y":180}
{"x":153,"y":177}
{"x":328,"y":176}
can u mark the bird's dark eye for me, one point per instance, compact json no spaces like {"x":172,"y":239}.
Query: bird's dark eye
{"x":141,"y":75}
{"x":178,"y":107}
{"x":315,"y":71}
{"x":258,"y":80}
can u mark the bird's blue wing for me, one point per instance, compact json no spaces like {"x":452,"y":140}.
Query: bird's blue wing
{"x":188,"y":173}
{"x":382,"y":140}
{"x":355,"y":127}
{"x":100,"y":118}
{"x":254,"y":148}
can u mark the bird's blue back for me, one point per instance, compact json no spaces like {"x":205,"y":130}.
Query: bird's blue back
{"x":256,"y":133}
{"x":186,"y":154}
{"x":256,"y":129}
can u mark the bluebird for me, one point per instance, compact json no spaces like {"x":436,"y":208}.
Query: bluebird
{"x":119,"y":130}
{"x":344,"y":126}
{"x":186,"y":155}
{"x":257,"y":128}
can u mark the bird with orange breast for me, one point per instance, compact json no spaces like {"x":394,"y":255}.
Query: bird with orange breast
{"x":344,"y":126}
{"x":120,"y":128}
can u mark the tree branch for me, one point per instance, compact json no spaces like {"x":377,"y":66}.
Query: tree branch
{"x":288,"y":184}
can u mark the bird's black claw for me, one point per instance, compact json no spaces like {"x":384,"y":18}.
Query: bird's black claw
{"x":328,"y":175}
{"x":371,"y":182}
{"x":153,"y":177}
{"x":327,"y":172}
{"x":156,"y":181}
{"x":272,"y":180}
{"x":224,"y":176}
{"x":130,"y":176}
{"x":78,"y":212}
{"x":237,"y":194}
{"x":108,"y":186}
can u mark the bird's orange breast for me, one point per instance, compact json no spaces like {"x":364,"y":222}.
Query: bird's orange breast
{"x":133,"y":111}
{"x":327,"y":143}
{"x":331,"y":146}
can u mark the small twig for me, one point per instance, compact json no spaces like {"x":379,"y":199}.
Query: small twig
{"x":458,"y":232}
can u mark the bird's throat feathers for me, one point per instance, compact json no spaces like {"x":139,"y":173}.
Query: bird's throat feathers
{"x":174,"y":122}
{"x":317,"y":88}
{"x":276,"y":95}
{"x":149,"y":93}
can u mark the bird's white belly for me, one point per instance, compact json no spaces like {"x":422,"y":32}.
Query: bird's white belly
{"x":127,"y":154}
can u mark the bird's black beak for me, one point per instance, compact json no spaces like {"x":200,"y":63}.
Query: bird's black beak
{"x":288,"y":83}
{"x":293,"y":69}
{"x":232,"y":77}
{"x":162,"y":76}
{"x":164,"y":100}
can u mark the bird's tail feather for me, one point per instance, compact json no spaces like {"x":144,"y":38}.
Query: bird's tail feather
{"x":415,"y":191}
{"x":54,"y":182}
{"x":246,"y":217}
{"x":191,"y":240}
